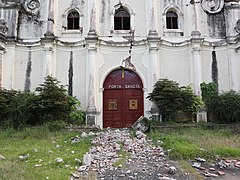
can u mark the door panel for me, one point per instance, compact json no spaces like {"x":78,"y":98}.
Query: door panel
{"x":122,"y":99}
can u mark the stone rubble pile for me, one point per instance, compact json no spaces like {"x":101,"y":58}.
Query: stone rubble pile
{"x":143,"y":159}
{"x":215,"y":169}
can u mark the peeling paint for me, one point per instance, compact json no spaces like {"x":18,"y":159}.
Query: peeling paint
{"x":216,"y":24}
{"x":1,"y":71}
{"x":28,"y":73}
{"x":214,"y":67}
{"x":70,"y":75}
{"x":103,"y":11}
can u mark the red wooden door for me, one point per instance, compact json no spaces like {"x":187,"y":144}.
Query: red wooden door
{"x":122,"y":99}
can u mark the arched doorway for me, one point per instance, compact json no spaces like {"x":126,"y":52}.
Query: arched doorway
{"x":122,"y":99}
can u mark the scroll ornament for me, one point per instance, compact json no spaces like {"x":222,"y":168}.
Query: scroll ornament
{"x":212,"y":6}
{"x":3,"y":26}
{"x":32,"y":6}
{"x":237,"y":28}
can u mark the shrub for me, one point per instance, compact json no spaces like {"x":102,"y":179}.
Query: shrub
{"x":20,"y":113}
{"x":6,"y":97}
{"x":209,"y":91}
{"x":76,"y":115}
{"x":226,"y":107}
{"x":172,"y":99}
{"x":55,"y":126}
{"x":52,"y":103}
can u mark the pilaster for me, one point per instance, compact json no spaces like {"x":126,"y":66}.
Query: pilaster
{"x":91,"y":80}
{"x":197,"y":61}
{"x":154,"y":73}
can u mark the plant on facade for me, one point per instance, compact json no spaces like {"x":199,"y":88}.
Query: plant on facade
{"x":76,"y":116}
{"x":172,"y":99}
{"x":226,"y":107}
{"x":209,"y":91}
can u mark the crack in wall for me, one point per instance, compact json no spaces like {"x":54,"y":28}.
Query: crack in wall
{"x":70,"y":75}
{"x":214,"y":68}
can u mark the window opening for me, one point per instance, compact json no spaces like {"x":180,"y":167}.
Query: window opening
{"x":121,"y":20}
{"x":172,"y":20}
{"x":73,"y":20}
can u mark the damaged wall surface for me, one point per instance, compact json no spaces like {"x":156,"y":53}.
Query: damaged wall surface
{"x":80,"y":42}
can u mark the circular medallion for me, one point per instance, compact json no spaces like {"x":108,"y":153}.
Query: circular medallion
{"x":32,"y":6}
{"x":212,"y":6}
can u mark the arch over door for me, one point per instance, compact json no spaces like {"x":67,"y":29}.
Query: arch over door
{"x":122,"y":99}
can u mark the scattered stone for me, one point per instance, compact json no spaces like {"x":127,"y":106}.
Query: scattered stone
{"x":139,"y":125}
{"x":87,"y":159}
{"x":76,"y":175}
{"x":59,"y":160}
{"x":91,"y":134}
{"x":38,"y":165}
{"x":237,"y":164}
{"x":25,"y":156}
{"x":196,"y":165}
{"x":172,"y":170}
{"x":83,"y":135}
{"x":200,"y":159}
{"x":207,"y":174}
{"x":221,"y":173}
{"x":57,"y":146}
{"x":212,"y":169}
{"x":75,"y":139}
{"x":222,"y":164}
{"x":82,"y":168}
{"x":2,"y":157}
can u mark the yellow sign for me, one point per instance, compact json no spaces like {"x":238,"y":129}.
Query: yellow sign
{"x":133,"y":104}
{"x":112,"y":104}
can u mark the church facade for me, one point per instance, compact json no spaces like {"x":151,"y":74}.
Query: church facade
{"x":110,"y":53}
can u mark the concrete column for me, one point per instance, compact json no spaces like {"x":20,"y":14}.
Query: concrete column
{"x":197,"y":62}
{"x":93,"y":17}
{"x":8,"y":67}
{"x":197,"y":69}
{"x":50,"y":20}
{"x":47,"y":60}
{"x":2,"y":49}
{"x":154,"y":73}
{"x":152,"y":17}
{"x":91,"y":81}
{"x":234,"y":70}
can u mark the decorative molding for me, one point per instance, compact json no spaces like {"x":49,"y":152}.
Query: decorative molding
{"x":237,"y":28}
{"x":9,"y":2}
{"x":3,"y":26}
{"x":32,"y":6}
{"x":75,"y":3}
{"x":212,"y":6}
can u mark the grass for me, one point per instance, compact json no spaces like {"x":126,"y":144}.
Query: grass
{"x":184,"y":144}
{"x":43,"y":148}
{"x":188,"y":143}
{"x":122,"y":157}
